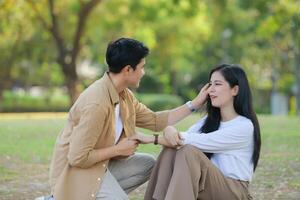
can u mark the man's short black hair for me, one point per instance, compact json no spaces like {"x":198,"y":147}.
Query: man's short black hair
{"x":125,"y":51}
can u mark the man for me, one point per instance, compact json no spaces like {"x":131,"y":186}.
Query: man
{"x":94,"y":156}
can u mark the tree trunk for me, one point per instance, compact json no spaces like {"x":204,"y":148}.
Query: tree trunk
{"x":71,"y":80}
{"x":67,"y":57}
{"x":73,"y":89}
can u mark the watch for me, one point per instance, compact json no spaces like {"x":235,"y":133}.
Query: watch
{"x":190,"y":106}
{"x":155,"y":139}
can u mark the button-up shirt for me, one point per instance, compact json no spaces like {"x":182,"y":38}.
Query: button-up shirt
{"x":75,"y":173}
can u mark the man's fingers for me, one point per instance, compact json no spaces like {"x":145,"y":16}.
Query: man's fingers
{"x":136,"y":140}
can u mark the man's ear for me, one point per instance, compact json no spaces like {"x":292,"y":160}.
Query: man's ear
{"x":126,"y":69}
{"x":235,"y":90}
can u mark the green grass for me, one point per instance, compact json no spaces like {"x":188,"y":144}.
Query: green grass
{"x":30,"y":141}
{"x":7,"y":174}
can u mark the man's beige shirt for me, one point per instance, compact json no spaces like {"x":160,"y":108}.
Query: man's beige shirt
{"x":75,"y":173}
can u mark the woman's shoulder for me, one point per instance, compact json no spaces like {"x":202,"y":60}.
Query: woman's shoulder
{"x":244,"y":119}
{"x":197,"y":125}
{"x":244,"y":122}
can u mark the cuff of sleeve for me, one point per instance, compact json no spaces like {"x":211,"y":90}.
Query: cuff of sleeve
{"x":161,"y":120}
{"x":91,"y":160}
{"x":185,"y":137}
{"x":93,"y":157}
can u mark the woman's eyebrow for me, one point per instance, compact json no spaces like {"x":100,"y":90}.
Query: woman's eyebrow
{"x":216,"y":81}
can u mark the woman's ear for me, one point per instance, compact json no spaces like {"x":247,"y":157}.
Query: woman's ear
{"x":235,"y":90}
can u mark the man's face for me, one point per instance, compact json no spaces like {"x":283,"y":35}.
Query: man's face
{"x":136,"y":75}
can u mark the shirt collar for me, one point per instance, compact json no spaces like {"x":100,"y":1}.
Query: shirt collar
{"x":114,"y":95}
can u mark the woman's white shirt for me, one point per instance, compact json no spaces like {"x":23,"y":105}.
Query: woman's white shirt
{"x":232,"y":146}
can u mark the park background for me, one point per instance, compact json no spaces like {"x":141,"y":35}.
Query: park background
{"x":52,"y":50}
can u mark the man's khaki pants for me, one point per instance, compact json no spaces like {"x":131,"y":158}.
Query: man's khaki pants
{"x":125,"y":175}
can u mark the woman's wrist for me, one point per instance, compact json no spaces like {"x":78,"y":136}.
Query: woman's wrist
{"x":196,"y":104}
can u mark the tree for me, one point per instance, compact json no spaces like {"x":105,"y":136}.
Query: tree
{"x":279,"y":32}
{"x":68,"y":47}
{"x":172,"y":30}
{"x":13,"y":26}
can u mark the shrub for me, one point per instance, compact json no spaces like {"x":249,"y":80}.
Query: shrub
{"x":23,"y":102}
{"x":159,"y":102}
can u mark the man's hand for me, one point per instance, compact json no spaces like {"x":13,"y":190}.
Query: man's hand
{"x":172,"y":136}
{"x":142,"y":138}
{"x":126,"y":147}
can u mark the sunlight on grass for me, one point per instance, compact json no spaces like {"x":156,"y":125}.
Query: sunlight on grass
{"x":28,"y":138}
{"x":7,"y":174}
{"x":50,"y":115}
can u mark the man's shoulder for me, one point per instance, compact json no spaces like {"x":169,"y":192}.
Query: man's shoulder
{"x":129,"y":94}
{"x":96,"y":93}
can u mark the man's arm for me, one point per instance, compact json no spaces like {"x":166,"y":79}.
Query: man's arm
{"x":82,"y":152}
{"x":171,"y":135}
{"x":183,"y":111}
{"x":125,"y":147}
{"x":149,"y":139}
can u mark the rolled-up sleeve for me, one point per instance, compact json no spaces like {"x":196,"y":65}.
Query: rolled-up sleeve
{"x":85,"y":135}
{"x":146,"y":118}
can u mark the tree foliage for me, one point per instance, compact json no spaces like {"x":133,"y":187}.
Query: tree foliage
{"x":44,"y":42}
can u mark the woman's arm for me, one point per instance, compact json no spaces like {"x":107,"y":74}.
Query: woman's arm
{"x":235,"y":136}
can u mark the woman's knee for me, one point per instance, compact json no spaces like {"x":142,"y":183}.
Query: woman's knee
{"x":191,"y":151}
{"x":167,"y":152}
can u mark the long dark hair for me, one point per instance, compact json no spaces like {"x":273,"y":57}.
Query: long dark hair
{"x":242,"y":104}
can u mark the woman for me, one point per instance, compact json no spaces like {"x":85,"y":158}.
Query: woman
{"x":229,"y":132}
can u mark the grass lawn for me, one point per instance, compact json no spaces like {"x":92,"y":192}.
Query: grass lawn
{"x":26,"y":142}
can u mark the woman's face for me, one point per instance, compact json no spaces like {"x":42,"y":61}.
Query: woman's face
{"x":220,"y":92}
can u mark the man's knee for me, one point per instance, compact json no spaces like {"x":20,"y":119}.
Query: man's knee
{"x":146,"y":162}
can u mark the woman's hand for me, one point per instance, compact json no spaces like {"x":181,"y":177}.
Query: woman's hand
{"x":172,"y":136}
{"x":201,"y":97}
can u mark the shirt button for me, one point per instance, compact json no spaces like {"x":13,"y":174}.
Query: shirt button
{"x":103,"y":165}
{"x":98,"y":179}
{"x":92,"y":195}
